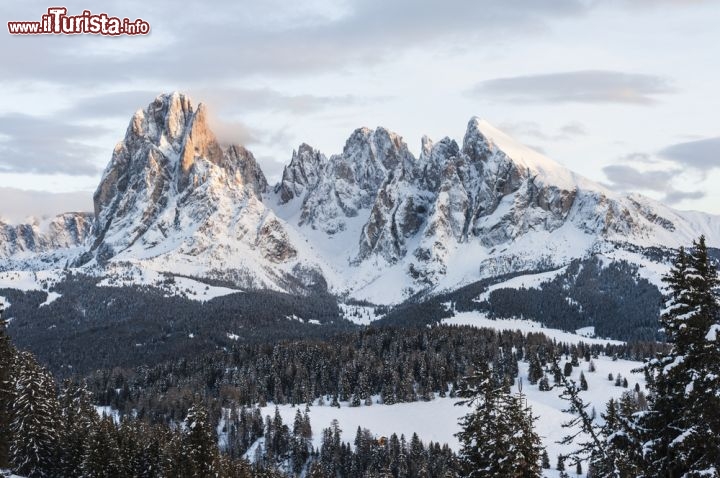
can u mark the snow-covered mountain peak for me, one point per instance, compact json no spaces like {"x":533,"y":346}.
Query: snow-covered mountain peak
{"x":302,"y":174}
{"x":331,"y":192}
{"x":372,"y":221}
{"x":167,"y":179}
{"x":483,"y":139}
{"x":379,"y":148}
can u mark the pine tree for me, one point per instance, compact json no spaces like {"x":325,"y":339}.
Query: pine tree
{"x":7,"y":390}
{"x":583,"y":382}
{"x":535,"y":371}
{"x":174,"y":460}
{"x":682,"y":426}
{"x":35,"y":428}
{"x":199,"y":443}
{"x":582,"y":425}
{"x":497,"y":437}
{"x":78,"y":419}
{"x":102,"y":451}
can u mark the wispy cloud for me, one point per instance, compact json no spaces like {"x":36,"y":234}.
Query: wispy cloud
{"x":660,"y":173}
{"x":234,"y":99}
{"x":702,"y":154}
{"x":587,"y":86}
{"x":19,"y":204}
{"x":30,"y":144}
{"x":531,"y":129}
{"x":629,"y":178}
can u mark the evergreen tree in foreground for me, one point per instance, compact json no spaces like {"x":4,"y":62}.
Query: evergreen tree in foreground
{"x":681,"y":430}
{"x":78,"y":420}
{"x":35,"y":425}
{"x":199,"y":443}
{"x":497,"y":437}
{"x":7,"y":394}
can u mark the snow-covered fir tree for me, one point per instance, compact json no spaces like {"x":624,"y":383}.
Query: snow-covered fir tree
{"x":35,"y":426}
{"x":102,"y":451}
{"x":7,"y":390}
{"x":199,"y":444}
{"x":682,"y":427}
{"x":497,"y":437}
{"x":78,"y":420}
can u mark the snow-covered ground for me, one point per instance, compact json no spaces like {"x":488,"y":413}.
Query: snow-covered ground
{"x":108,"y":411}
{"x":437,"y":420}
{"x":6,"y":473}
{"x":527,"y":281}
{"x":30,"y":280}
{"x":51,"y":297}
{"x":359,"y":314}
{"x":481,"y":320}
{"x":169,"y":285}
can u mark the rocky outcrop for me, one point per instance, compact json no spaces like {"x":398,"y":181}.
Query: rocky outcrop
{"x":453,"y":195}
{"x":41,"y":236}
{"x":173,"y":197}
{"x":350,"y":181}
{"x":170,"y":187}
{"x":302,"y":174}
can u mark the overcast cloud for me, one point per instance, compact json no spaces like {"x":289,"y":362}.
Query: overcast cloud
{"x":275,"y":73}
{"x":17,"y":204}
{"x":589,"y":86}
{"x":703,"y":154}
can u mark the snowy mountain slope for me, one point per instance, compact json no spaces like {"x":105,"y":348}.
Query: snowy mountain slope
{"x":488,"y":207}
{"x":373,"y":222}
{"x":42,"y":242}
{"x":173,"y":200}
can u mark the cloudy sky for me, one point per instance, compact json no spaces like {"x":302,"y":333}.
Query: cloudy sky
{"x":622,"y":91}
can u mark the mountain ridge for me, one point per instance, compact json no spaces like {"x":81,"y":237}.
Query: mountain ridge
{"x":374,"y":221}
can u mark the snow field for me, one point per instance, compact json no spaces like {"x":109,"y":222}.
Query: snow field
{"x":437,"y":420}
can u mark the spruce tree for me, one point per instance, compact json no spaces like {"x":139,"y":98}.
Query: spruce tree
{"x":102,"y":451}
{"x":535,"y":371}
{"x":682,"y":426}
{"x":78,"y":419}
{"x":545,"y":460}
{"x":199,"y":443}
{"x":583,"y":382}
{"x":583,"y":427}
{"x":35,"y":429}
{"x":7,"y":389}
{"x":497,"y":437}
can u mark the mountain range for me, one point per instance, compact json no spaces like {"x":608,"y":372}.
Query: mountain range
{"x":373,"y":223}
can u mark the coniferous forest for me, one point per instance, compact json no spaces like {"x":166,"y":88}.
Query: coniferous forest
{"x":199,"y":415}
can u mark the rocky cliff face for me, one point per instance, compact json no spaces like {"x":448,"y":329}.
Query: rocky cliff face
{"x":302,"y":174}
{"x":173,"y":199}
{"x":43,"y":237}
{"x":170,"y":184}
{"x":350,"y":181}
{"x":453,"y":195}
{"x":487,"y":195}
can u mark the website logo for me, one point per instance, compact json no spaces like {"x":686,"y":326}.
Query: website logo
{"x":57,"y":22}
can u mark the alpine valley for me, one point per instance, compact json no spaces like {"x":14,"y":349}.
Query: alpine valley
{"x":189,"y":247}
